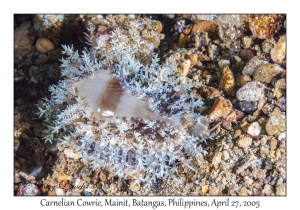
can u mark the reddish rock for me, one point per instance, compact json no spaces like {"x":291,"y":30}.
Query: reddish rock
{"x":263,"y":26}
{"x":221,"y":109}
{"x":247,"y":54}
{"x":202,"y":57}
{"x":231,"y":117}
{"x":239,"y":114}
{"x":211,"y":92}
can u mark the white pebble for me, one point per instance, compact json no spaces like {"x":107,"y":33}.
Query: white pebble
{"x":282,"y":136}
{"x":59,"y":191}
{"x":254,"y":129}
{"x":222,"y":63}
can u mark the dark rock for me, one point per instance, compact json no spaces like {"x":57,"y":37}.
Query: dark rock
{"x":22,"y":151}
{"x":38,"y":171}
{"x":248,"y":106}
{"x":247,"y":54}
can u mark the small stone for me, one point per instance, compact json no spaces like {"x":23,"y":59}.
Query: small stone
{"x":23,"y":42}
{"x":251,"y":91}
{"x":212,"y":51}
{"x":17,"y":164}
{"x":278,"y":154}
{"x":193,"y":59}
{"x":239,"y":115}
{"x":203,"y":57}
{"x":205,"y":189}
{"x":253,"y":64}
{"x":205,"y":73}
{"x":282,"y":103}
{"x":244,"y":141}
{"x":217,"y":41}
{"x":87,"y":193}
{"x":267,"y":108}
{"x":256,"y":192}
{"x":237,"y":133}
{"x":211,"y":92}
{"x":51,"y":193}
{"x":280,"y":84}
{"x":169,"y":16}
{"x":263,"y":26}
{"x":217,"y":159}
{"x":227,"y":83}
{"x":231,"y":117}
{"x":281,"y":136}
{"x":254,"y":129}
{"x":261,"y":103}
{"x":225,"y":155}
{"x":249,"y":182}
{"x":276,"y":122}
{"x":183,"y":39}
{"x":205,"y":26}
{"x":221,"y":108}
{"x":31,"y":190}
{"x":272,"y":154}
{"x":267,"y":45}
{"x":103,"y":177}
{"x":198,"y":40}
{"x":247,"y":54}
{"x":44,"y":45}
{"x":279,"y":51}
{"x":242,"y":80}
{"x":17,"y":180}
{"x":247,"y":41}
{"x":105,"y":188}
{"x":38,"y":171}
{"x":247,"y":106}
{"x":237,"y":58}
{"x":213,"y":190}
{"x":243,"y":191}
{"x":134,"y":187}
{"x":222,"y":63}
{"x":267,"y":189}
{"x":259,"y":173}
{"x":113,"y":188}
{"x":278,"y":93}
{"x":280,"y":190}
{"x":60,"y":191}
{"x":156,"y":26}
{"x":184,"y":67}
{"x":187,"y":29}
{"x":253,"y":117}
{"x":202,"y":170}
{"x":262,"y":121}
{"x":244,"y":124}
{"x":266,"y":72}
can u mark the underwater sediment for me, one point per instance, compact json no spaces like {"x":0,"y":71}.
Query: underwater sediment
{"x":143,"y":106}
